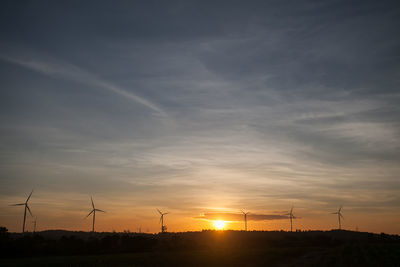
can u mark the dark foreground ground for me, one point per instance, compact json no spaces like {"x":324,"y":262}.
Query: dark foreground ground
{"x":207,"y":248}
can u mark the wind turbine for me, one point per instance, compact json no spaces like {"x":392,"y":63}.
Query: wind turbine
{"x":94,"y":213}
{"x":245,"y":219}
{"x":26,"y":208}
{"x":291,"y":217}
{"x":340,"y":216}
{"x":34,"y":224}
{"x":163,"y":228}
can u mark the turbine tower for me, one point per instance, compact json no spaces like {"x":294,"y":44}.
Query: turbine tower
{"x":245,"y":219}
{"x":291,"y":217}
{"x":340,"y":216}
{"x":34,"y":224}
{"x":26,"y":208}
{"x":94,"y":213}
{"x":163,"y":228}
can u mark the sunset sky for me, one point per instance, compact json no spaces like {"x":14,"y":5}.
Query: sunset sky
{"x":200,"y":109}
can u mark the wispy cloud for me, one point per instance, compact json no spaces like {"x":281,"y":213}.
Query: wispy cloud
{"x":69,"y":71}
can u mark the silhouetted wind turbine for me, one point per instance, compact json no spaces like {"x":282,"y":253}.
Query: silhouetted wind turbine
{"x":245,"y":219}
{"x":163,"y":228}
{"x":340,"y":216}
{"x":26,"y":208}
{"x":291,"y":217}
{"x":34,"y":224}
{"x":94,"y":213}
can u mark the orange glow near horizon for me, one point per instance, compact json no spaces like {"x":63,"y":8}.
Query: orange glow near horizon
{"x":64,"y":215}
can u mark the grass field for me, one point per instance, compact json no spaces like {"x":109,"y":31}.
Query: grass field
{"x":348,"y":255}
{"x":210,"y":248}
{"x":261,"y":257}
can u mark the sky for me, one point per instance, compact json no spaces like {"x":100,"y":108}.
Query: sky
{"x":202,"y":109}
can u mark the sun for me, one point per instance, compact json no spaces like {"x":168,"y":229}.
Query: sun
{"x":219,"y":225}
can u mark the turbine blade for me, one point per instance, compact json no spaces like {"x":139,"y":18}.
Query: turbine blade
{"x":286,"y":214}
{"x":166,"y":213}
{"x":29,"y":196}
{"x":341,"y":216}
{"x":159,"y":211}
{"x":334,"y":213}
{"x":89,"y":213}
{"x":29,"y":210}
{"x":92,"y":201}
{"x":291,"y":210}
{"x":21,"y":204}
{"x":100,"y":210}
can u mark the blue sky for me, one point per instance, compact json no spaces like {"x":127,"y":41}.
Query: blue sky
{"x":197,"y":106}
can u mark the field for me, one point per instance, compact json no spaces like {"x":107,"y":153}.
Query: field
{"x":207,"y":248}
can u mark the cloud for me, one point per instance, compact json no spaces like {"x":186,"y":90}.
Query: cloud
{"x":239,"y":217}
{"x":56,"y":68}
